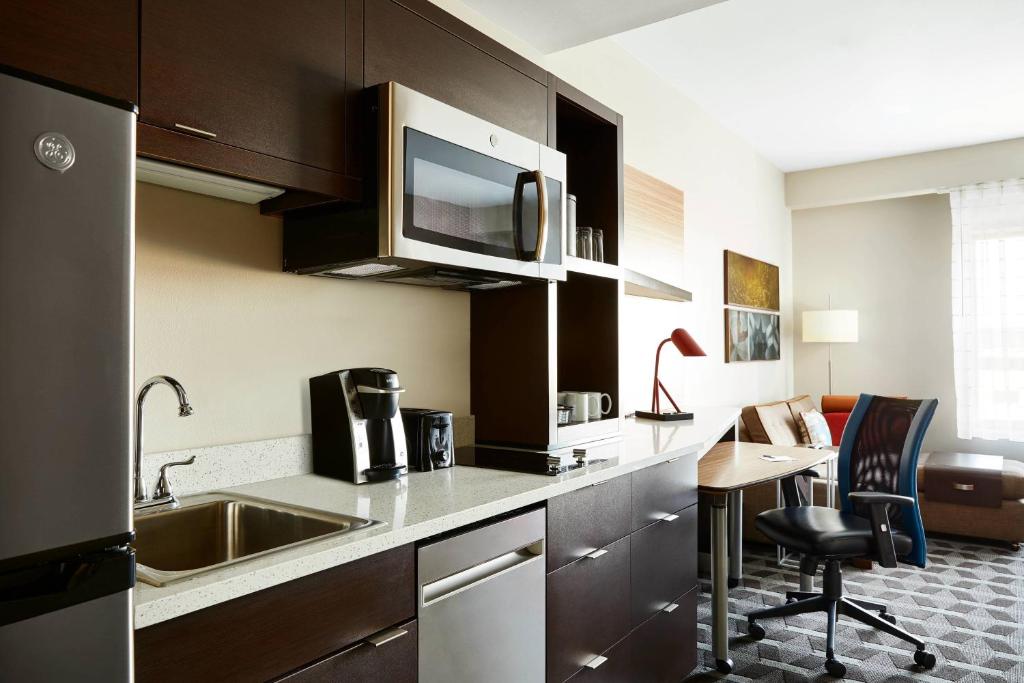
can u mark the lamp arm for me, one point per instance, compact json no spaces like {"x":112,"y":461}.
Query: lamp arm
{"x":669,"y":396}
{"x":655,"y":400}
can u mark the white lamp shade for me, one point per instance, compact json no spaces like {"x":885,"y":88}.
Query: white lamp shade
{"x":833,"y":327}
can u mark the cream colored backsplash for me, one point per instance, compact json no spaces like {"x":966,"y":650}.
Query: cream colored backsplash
{"x":214,"y":310}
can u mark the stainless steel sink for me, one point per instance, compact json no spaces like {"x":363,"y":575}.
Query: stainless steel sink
{"x":210,"y":531}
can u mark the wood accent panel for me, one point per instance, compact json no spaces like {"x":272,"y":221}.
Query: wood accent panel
{"x":511,"y":363}
{"x":732,"y":465}
{"x":178,"y":148}
{"x":584,"y":520}
{"x":588,"y":609}
{"x":395,"y":662}
{"x":84,"y":43}
{"x":663,"y":489}
{"x":262,"y":75}
{"x":663,"y":563}
{"x":654,"y":226}
{"x":401,"y":45}
{"x":274,"y":631}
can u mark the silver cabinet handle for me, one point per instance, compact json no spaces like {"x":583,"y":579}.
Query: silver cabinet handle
{"x":671,"y":607}
{"x":596,"y":662}
{"x":386,"y":636}
{"x":596,"y":554}
{"x":601,"y":483}
{"x":670,"y":518}
{"x":195,"y":131}
{"x":963,"y":487}
{"x":673,"y":459}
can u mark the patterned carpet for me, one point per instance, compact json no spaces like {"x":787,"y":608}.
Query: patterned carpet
{"x":968,"y":605}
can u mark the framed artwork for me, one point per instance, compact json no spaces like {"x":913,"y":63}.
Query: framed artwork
{"x":750,"y":283}
{"x":751,"y":336}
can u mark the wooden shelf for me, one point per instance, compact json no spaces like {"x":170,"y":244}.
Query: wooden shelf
{"x":576,"y":264}
{"x":638,"y":284}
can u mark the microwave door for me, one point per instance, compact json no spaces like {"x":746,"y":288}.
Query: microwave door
{"x":538,"y":230}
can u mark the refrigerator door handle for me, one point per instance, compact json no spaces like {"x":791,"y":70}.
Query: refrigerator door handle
{"x":33,"y":591}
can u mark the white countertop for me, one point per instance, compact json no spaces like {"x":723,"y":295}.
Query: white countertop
{"x":417,"y":506}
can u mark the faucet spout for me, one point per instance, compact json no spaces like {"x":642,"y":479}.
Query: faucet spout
{"x":184,"y":410}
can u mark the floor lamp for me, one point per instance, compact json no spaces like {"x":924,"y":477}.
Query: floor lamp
{"x":830,"y":327}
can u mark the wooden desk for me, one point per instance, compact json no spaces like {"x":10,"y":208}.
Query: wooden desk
{"x":723,"y":473}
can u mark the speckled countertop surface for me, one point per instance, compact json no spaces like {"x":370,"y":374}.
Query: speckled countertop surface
{"x":417,"y":506}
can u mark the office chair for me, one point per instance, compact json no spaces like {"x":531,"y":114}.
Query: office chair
{"x":879,"y":519}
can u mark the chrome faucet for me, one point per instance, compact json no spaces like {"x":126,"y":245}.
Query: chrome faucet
{"x":163,"y":494}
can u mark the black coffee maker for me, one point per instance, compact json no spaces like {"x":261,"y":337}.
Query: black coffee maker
{"x":358,"y":434}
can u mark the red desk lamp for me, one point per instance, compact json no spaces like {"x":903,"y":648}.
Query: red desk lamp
{"x":687,"y":347}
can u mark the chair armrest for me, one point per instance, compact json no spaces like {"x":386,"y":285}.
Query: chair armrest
{"x":881,"y":528}
{"x":877,"y":497}
{"x":810,"y":472}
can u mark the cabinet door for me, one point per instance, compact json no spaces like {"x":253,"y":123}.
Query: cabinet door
{"x":663,"y":563}
{"x":89,"y":44}
{"x":404,"y":46}
{"x":662,"y":489}
{"x":259,"y":75}
{"x":584,"y":520}
{"x":386,"y":656}
{"x":587,"y":610}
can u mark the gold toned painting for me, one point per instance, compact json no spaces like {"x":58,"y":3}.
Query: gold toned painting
{"x":751,"y":283}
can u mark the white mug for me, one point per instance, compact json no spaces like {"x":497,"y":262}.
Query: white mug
{"x":595,"y":404}
{"x":580,"y":402}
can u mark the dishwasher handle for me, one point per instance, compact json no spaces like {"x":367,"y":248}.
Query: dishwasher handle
{"x":479,"y":574}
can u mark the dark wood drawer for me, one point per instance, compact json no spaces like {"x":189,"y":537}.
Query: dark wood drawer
{"x":587,"y":609}
{"x":662,"y":650}
{"x":584,"y":520}
{"x":662,"y":489}
{"x":272,"y":632}
{"x":394,"y":660}
{"x":663,"y":563}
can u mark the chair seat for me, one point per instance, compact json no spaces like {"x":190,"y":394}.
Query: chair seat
{"x":823,"y":532}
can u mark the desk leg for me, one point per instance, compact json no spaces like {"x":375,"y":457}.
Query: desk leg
{"x":735,"y":537}
{"x":719,"y":582}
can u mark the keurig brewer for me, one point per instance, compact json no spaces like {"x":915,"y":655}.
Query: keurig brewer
{"x":358,"y":434}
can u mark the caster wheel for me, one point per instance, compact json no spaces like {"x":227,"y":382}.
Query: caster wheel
{"x":755,"y":631}
{"x":733,"y":583}
{"x":835,"y":669}
{"x":924,"y":659}
{"x":790,"y":601}
{"x":723,"y":665}
{"x":888,"y":617}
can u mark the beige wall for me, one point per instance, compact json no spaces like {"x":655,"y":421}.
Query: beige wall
{"x":904,"y":176}
{"x":889,"y":260}
{"x":214,"y":310}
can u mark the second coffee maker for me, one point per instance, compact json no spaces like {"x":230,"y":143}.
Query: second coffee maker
{"x":358,"y":434}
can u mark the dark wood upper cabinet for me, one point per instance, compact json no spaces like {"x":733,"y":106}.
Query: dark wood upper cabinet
{"x":84,"y":43}
{"x":415,"y":43}
{"x":255,"y":77}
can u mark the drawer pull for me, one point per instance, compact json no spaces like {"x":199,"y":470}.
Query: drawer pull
{"x":596,"y":554}
{"x":671,"y":607}
{"x":385,"y":637}
{"x":596,"y":662}
{"x":670,"y":518}
{"x":195,"y":131}
{"x":964,"y":487}
{"x":673,"y":459}
{"x":600,"y":483}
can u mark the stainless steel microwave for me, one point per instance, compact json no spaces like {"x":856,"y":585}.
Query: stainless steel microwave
{"x":459,"y":203}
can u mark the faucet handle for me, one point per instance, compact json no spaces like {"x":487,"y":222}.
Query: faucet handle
{"x":163,"y":485}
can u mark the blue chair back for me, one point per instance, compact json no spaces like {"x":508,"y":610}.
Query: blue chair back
{"x":879,"y":452}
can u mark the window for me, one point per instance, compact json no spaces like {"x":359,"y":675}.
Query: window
{"x":988,"y":309}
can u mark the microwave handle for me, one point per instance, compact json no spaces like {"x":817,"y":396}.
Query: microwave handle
{"x":542,"y":215}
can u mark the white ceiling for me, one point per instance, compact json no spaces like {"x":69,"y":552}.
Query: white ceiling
{"x":552,"y":25}
{"x":813,"y":83}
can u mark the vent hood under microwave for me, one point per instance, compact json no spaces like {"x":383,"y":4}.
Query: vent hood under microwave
{"x":454,"y":202}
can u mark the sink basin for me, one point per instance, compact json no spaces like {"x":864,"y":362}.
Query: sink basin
{"x":211,"y":531}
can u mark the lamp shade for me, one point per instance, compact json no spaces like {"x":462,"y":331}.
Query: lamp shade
{"x":832,"y":326}
{"x":685,"y":343}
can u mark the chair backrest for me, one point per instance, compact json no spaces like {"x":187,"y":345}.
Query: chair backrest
{"x":879,"y":452}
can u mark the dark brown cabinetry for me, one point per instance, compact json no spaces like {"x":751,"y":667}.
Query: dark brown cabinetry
{"x":664,"y":489}
{"x":391,"y":656}
{"x":257,"y":89}
{"x":424,"y":48}
{"x":84,"y":43}
{"x":288,"y":627}
{"x":586,"y":520}
{"x":663,"y":563}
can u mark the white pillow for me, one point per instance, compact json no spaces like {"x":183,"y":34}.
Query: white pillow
{"x":815,"y":428}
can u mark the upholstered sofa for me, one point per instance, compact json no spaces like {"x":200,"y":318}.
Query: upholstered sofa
{"x":776,"y":423}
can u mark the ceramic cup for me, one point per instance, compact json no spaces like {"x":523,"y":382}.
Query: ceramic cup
{"x":596,"y":404}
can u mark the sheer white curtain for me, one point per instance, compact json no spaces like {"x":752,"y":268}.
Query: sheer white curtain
{"x":988,"y":309}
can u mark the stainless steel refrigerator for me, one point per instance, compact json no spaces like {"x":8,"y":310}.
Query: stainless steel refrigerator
{"x":67,"y":187}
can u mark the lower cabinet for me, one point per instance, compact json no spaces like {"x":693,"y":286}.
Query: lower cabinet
{"x":386,"y":656}
{"x":664,"y":563}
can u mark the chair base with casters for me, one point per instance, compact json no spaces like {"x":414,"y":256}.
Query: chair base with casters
{"x":833,"y":603}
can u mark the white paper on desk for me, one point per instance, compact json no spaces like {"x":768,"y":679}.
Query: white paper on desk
{"x":775,"y":458}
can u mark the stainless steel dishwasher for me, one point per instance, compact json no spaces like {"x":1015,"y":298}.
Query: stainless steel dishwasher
{"x":481,"y":604}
